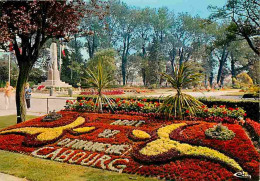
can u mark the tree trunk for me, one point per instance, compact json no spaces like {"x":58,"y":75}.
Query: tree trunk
{"x":173,"y":54}
{"x":206,"y":81}
{"x":124,"y":59}
{"x":181,"y":56}
{"x":90,"y":50}
{"x":233,"y":71}
{"x":211,"y":79}
{"x":251,"y":45}
{"x":24,"y":69}
{"x":222,"y":81}
{"x":222,"y":62}
{"x":144,"y":76}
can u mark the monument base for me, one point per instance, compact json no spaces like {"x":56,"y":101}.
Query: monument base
{"x":55,"y":83}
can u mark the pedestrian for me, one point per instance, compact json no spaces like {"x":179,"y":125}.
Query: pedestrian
{"x":28,"y":93}
{"x":7,"y":94}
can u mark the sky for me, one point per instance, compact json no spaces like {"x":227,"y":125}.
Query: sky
{"x":194,"y":7}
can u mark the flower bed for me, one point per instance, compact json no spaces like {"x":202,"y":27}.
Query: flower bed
{"x":214,"y":114}
{"x":135,"y":144}
{"x":107,"y":92}
{"x":254,"y":129}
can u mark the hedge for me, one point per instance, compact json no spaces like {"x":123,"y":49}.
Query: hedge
{"x":250,"y":106}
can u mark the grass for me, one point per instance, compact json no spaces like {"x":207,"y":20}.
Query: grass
{"x":35,"y":169}
{"x":6,"y":121}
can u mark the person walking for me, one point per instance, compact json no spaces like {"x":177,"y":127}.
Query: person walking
{"x":28,"y":93}
{"x":7,"y":94}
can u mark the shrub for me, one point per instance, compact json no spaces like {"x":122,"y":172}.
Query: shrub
{"x":250,"y":107}
{"x":175,"y":105}
{"x":243,"y":80}
{"x":220,"y":132}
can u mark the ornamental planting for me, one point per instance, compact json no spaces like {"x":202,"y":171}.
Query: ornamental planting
{"x":136,"y":145}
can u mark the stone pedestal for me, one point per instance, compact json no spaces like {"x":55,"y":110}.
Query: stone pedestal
{"x":53,"y":72}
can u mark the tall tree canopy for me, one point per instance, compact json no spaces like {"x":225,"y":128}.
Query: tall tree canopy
{"x":245,"y":17}
{"x":29,"y":24}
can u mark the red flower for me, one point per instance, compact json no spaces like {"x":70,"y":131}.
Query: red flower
{"x":140,"y":105}
{"x":119,"y":105}
{"x":222,"y":106}
{"x":118,"y":99}
{"x":206,"y":110}
{"x":231,"y":109}
{"x":144,"y":100}
{"x":81,"y":104}
{"x":67,"y":101}
{"x":187,"y":111}
{"x":123,"y":101}
{"x":132,"y":100}
{"x":225,"y":112}
{"x":245,"y":114}
{"x":203,"y":106}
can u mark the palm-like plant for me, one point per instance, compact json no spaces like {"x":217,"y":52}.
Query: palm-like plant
{"x":176,"y":105}
{"x":100,"y":80}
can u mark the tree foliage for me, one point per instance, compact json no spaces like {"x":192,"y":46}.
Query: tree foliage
{"x":29,"y":24}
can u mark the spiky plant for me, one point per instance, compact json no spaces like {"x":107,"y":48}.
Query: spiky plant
{"x":176,"y":105}
{"x":100,"y":80}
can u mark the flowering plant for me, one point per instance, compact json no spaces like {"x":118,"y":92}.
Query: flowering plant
{"x":221,"y":111}
{"x":181,"y":148}
{"x":106,"y":92}
{"x":123,"y":106}
{"x":40,"y":87}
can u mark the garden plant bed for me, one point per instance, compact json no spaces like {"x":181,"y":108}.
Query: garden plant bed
{"x":177,"y":150}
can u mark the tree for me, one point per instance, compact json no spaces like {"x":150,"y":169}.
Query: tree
{"x":183,"y":37}
{"x":144,"y":28}
{"x":245,"y":17}
{"x":125,"y":23}
{"x":29,"y":24}
{"x":154,"y":63}
{"x":107,"y":58}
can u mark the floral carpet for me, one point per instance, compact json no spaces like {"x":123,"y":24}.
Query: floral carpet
{"x":174,"y":150}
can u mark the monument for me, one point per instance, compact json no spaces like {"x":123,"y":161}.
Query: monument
{"x":53,"y":79}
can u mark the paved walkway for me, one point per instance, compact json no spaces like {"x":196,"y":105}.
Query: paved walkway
{"x":38,"y":104}
{"x":5,"y":177}
{"x":216,"y":94}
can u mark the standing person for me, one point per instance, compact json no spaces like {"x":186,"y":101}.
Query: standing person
{"x":28,"y":93}
{"x":8,"y":93}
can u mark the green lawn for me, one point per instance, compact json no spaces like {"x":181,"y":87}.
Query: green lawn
{"x":6,"y":121}
{"x":35,"y":169}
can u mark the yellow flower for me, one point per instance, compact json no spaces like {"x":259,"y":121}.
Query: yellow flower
{"x":48,"y":134}
{"x":84,"y":129}
{"x":165,"y":144}
{"x":141,"y":134}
